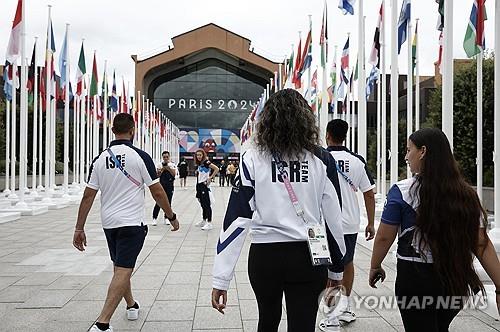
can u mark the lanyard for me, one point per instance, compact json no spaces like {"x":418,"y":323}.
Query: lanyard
{"x":346,"y":178}
{"x":120,"y":167}
{"x":289,"y":188}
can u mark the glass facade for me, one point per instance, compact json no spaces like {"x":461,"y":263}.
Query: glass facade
{"x":208,"y":94}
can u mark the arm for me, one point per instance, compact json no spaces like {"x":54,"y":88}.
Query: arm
{"x":161,"y":199}
{"x":369,"y":198}
{"x":489,"y":259}
{"x":383,"y":241}
{"x":171,"y":170}
{"x":215,"y":170}
{"x":79,"y":238}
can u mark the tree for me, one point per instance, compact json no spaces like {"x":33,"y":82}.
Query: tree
{"x":464,"y":118}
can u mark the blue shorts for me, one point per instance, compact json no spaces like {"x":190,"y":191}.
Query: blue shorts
{"x":125,"y":244}
{"x":350,"y":245}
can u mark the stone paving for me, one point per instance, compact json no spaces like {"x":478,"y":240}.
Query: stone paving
{"x":46,"y":285}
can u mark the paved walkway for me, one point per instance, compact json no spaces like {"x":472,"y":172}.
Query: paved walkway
{"x":46,"y":285}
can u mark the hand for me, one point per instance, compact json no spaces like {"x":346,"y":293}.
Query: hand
{"x":376,"y":274}
{"x":175,"y":225}
{"x":207,"y":183}
{"x":79,"y":240}
{"x":333,"y":289}
{"x":369,"y":232}
{"x":216,"y":295}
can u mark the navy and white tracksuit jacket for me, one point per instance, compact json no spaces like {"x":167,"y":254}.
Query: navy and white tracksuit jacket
{"x":259,"y":203}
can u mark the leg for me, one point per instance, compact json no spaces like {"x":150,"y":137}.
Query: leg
{"x":445,"y":317}
{"x":170,"y":194}
{"x":116,"y":291}
{"x":348,"y":279}
{"x":128,"y":293}
{"x":156,"y":211}
{"x":205,"y":205}
{"x":303,"y":286}
{"x":266,"y":281}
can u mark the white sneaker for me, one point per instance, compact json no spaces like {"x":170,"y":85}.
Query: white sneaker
{"x":94,"y":328}
{"x":133,"y":313}
{"x":154,"y":222}
{"x":347,"y":316}
{"x":208,"y":226}
{"x":167,"y":222}
{"x":330,"y":324}
{"x":201,"y":223}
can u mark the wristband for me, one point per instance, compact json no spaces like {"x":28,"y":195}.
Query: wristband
{"x":497,"y":291}
{"x":174,"y":216}
{"x":79,"y":231}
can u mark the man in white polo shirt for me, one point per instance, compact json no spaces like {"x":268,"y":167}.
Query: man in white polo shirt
{"x":120,"y":173}
{"x":353,"y":176}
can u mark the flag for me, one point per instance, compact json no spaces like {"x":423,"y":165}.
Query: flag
{"x":333,"y":73}
{"x":344,"y":63}
{"x":14,"y":46}
{"x":314,"y":84}
{"x":347,"y":6}
{"x":370,"y":81}
{"x":63,"y":60}
{"x":356,"y":70}
{"x":440,"y":24}
{"x":80,"y":72}
{"x":375,"y":53}
{"x":306,"y":55}
{"x":114,"y":97}
{"x":289,"y":69}
{"x":404,"y":18}
{"x":31,"y":71}
{"x":104,"y":90}
{"x":94,"y":79}
{"x":323,"y":40}
{"x":50,"y":49}
{"x":124,"y":98}
{"x":440,"y":53}
{"x":414,"y":50}
{"x":7,"y":81}
{"x":474,"y":36}
{"x":298,"y":60}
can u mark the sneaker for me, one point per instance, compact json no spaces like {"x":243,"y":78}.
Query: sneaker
{"x":94,"y":328}
{"x":133,"y":313}
{"x":330,"y":324}
{"x":167,"y":222}
{"x":347,"y":316}
{"x":154,"y":222}
{"x":201,"y":223}
{"x":208,"y":226}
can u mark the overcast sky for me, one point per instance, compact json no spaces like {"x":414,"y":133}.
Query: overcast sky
{"x":117,"y":29}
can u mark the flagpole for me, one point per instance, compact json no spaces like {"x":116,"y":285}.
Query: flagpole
{"x":352,"y":115}
{"x":479,"y":136}
{"x":13,"y":132}
{"x":309,"y":86}
{"x":66,"y":118}
{"x":23,"y":114}
{"x":334,"y":88}
{"x":409,"y":91}
{"x":40,"y":142}
{"x":48,"y":74}
{"x":447,"y":101}
{"x":53,"y":140}
{"x":105,"y":109}
{"x":76,"y":141}
{"x":417,"y":83}
{"x":81,"y":134}
{"x":88,"y":126}
{"x":7,"y":191}
{"x":394,"y":95}
{"x":361,"y":123}
{"x":143,"y":129}
{"x":35,"y":125}
{"x":496,"y":122}
{"x":383,"y":147}
{"x":138,"y":124}
{"x":379,"y":123}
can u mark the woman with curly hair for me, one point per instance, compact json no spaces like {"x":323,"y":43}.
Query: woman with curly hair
{"x":440,"y":225}
{"x":286,"y":165}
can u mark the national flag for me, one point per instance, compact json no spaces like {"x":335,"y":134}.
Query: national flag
{"x":333,"y":73}
{"x":50,"y":49}
{"x":14,"y":46}
{"x":104,"y":91}
{"x":124,"y":98}
{"x":289,"y":68}
{"x":114,"y":97}
{"x":474,"y":36}
{"x":80,"y":72}
{"x":323,"y":40}
{"x":370,"y":81}
{"x":344,"y":63}
{"x":31,"y":71}
{"x":7,"y":81}
{"x":314,"y":84}
{"x":356,"y":70}
{"x":296,"y":78}
{"x":375,"y":53}
{"x":414,"y":50}
{"x":63,"y":59}
{"x":440,"y":52}
{"x":306,"y":55}
{"x":347,"y":6}
{"x":404,"y":19}
{"x":440,"y":24}
{"x":94,"y":79}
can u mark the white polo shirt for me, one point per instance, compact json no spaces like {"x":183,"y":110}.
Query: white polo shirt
{"x":122,"y":200}
{"x":352,"y":166}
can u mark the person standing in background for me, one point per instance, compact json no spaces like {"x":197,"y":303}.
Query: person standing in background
{"x":183,"y":172}
{"x":231,"y":173}
{"x":166,"y":170}
{"x":222,"y":173}
{"x":205,"y":173}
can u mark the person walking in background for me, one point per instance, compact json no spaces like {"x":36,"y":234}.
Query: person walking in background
{"x":120,"y":173}
{"x":222,"y":173}
{"x":183,"y":172}
{"x":354,"y":176}
{"x":285,"y":257}
{"x":231,"y":173}
{"x":166,"y":170}
{"x":441,"y":226}
{"x":205,"y":172}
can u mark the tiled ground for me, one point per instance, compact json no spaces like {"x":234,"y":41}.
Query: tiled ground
{"x":46,"y":285}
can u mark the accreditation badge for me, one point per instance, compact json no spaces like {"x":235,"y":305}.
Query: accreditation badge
{"x":318,"y":245}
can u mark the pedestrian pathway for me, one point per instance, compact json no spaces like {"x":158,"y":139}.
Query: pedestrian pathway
{"x":46,"y":285}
